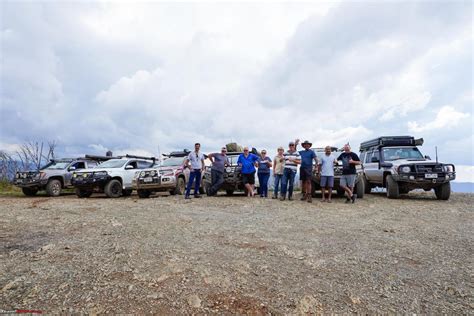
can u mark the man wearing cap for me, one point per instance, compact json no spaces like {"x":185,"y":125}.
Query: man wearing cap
{"x":248,"y":161}
{"x":306,"y":169}
{"x":292,"y":159}
{"x":219,"y":162}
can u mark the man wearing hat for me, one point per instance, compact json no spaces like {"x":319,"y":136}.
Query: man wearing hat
{"x":292,"y":159}
{"x":306,"y":169}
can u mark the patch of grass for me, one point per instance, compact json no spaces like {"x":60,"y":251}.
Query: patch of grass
{"x":6,"y":188}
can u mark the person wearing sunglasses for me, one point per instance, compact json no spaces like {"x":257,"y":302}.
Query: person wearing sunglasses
{"x":292,"y":159}
{"x":264,"y":165}
{"x":247,"y":161}
{"x":219,"y":162}
{"x":196,"y":158}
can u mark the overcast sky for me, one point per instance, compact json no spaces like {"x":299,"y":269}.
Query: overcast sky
{"x":143,"y":77}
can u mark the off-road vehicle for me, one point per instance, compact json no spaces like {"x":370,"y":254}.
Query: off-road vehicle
{"x":113,"y":177}
{"x":359,"y":183}
{"x":54,"y":176}
{"x":170,"y":176}
{"x":396,"y":163}
{"x":232,"y":175}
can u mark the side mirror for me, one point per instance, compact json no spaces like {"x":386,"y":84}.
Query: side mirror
{"x":427,"y":157}
{"x":128,"y":167}
{"x":71,"y":168}
{"x":374,"y":159}
{"x":386,"y":165}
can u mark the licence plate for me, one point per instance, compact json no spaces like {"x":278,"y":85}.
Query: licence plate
{"x":148,"y":180}
{"x":431,"y":175}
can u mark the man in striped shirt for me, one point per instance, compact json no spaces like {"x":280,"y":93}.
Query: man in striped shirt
{"x":292,"y":159}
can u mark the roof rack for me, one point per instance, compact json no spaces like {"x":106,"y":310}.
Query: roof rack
{"x":140,"y":157}
{"x":324,"y":148}
{"x":99,"y":158}
{"x":388,"y":141}
{"x":182,"y":153}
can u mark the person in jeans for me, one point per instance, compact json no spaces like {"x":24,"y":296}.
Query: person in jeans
{"x":264,"y":165}
{"x":196,"y":158}
{"x":306,"y":170}
{"x":326,"y":169}
{"x":278,"y":164}
{"x":349,"y":172}
{"x":247,"y":162}
{"x":292,"y":159}
{"x":219,"y":162}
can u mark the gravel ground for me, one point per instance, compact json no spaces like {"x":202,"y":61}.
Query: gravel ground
{"x":231,"y":255}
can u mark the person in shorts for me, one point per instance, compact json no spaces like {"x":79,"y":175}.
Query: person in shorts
{"x":349,"y":172}
{"x":219,"y":162}
{"x":247,"y":161}
{"x":278,"y":165}
{"x":326,"y":170}
{"x":306,"y":170}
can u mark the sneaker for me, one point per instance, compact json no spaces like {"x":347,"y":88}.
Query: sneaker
{"x":197,"y":196}
{"x":310,"y":199}
{"x":282,"y":198}
{"x":290,"y":198}
{"x":303,"y":197}
{"x":348,"y":200}
{"x":353,"y":198}
{"x":187,"y":197}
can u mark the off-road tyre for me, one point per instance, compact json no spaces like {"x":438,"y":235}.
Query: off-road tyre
{"x":367,"y":186}
{"x":180,"y":187}
{"x":443,"y":191}
{"x":143,"y":194}
{"x":127,"y":192}
{"x":393,"y":191}
{"x":81,"y":193}
{"x":29,"y":191}
{"x":359,"y":189}
{"x":113,"y":188}
{"x":53,"y":188}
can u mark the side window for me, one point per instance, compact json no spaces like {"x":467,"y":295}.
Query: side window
{"x":376,"y":154}
{"x":362,"y":156}
{"x":91,"y":164}
{"x":144,"y":164}
{"x":133,"y":164}
{"x":368,"y":157}
{"x":79,"y":165}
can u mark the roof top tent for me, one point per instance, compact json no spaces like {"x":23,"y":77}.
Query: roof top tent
{"x":182,"y":153}
{"x":390,"y":141}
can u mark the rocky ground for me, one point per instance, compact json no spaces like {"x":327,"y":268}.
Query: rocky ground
{"x":232,"y":255}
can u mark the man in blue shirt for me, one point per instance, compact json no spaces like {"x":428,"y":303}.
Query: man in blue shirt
{"x":306,"y":170}
{"x":248,"y":161}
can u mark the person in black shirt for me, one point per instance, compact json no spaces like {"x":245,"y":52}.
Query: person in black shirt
{"x":349,"y":173}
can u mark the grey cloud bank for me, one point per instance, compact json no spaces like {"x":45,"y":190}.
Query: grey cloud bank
{"x":134,"y":77}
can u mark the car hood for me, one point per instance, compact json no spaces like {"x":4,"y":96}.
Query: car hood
{"x":399,"y":162}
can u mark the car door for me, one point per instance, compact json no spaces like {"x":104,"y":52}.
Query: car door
{"x":371,"y":168}
{"x":73,"y":167}
{"x":129,"y":173}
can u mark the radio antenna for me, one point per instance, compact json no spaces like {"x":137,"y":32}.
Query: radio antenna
{"x":436,"y":153}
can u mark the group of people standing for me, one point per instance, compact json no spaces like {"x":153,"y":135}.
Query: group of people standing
{"x":284,"y":165}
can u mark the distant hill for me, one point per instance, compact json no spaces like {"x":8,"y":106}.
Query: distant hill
{"x":462,"y":187}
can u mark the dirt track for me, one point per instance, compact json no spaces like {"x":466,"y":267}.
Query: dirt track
{"x":237,"y":255}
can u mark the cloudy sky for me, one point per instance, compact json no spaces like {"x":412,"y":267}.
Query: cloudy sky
{"x":151,"y":76}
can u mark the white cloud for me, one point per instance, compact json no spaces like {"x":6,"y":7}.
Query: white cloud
{"x":447,"y":117}
{"x":464,"y":173}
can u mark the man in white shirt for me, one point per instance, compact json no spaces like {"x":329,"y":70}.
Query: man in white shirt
{"x":326,"y":168}
{"x":197,"y":168}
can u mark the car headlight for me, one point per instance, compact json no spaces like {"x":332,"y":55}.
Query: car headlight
{"x":100,"y":173}
{"x":142,"y":174}
{"x":405,"y":169}
{"x":153,"y":173}
{"x":74,"y":175}
{"x":228,"y":169}
{"x":448,"y":168}
{"x":17,"y":175}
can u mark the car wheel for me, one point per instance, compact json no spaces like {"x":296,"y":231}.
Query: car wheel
{"x":83,"y":193}
{"x":113,"y":188}
{"x":443,"y":191}
{"x":143,"y":194}
{"x":403,"y":190}
{"x":393,"y":191}
{"x":53,"y":188}
{"x":229,"y":192}
{"x":367,"y":186}
{"x":180,"y":187}
{"x":127,"y":192}
{"x":29,"y":191}
{"x":360,"y":189}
